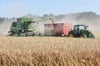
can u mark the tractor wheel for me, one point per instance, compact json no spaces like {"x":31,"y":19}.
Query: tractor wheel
{"x":83,"y":36}
{"x":70,"y":35}
{"x":91,"y":35}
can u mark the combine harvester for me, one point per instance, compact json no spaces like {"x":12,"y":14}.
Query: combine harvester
{"x":27,"y":27}
{"x":23,"y":27}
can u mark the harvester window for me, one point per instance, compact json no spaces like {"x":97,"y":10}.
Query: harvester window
{"x":29,"y":25}
{"x":14,"y":24}
{"x":19,"y":24}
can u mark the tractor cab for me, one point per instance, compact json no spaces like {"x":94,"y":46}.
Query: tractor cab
{"x":80,"y":27}
{"x":81,"y":31}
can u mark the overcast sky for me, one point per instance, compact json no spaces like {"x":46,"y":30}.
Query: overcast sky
{"x":16,"y":8}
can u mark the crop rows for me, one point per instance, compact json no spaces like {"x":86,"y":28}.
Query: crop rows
{"x":49,"y":51}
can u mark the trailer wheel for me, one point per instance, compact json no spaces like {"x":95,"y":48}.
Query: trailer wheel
{"x":62,"y":35}
{"x":39,"y":34}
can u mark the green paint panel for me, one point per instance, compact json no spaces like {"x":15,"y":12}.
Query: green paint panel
{"x":24,"y":19}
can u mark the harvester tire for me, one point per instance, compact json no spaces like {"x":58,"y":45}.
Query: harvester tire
{"x":33,"y":34}
{"x":13,"y":34}
{"x":21,"y":33}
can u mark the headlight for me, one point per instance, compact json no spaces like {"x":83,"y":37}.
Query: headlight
{"x":22,"y":31}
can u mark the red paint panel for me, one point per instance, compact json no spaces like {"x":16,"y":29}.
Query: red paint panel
{"x":67,"y":28}
{"x":57,"y":28}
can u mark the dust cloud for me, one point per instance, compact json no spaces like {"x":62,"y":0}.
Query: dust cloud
{"x":5,"y":27}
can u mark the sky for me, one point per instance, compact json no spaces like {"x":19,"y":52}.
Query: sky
{"x":17,"y":8}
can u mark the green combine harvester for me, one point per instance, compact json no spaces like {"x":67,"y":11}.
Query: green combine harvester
{"x":23,"y":27}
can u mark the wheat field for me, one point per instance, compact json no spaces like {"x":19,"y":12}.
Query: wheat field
{"x":49,"y":51}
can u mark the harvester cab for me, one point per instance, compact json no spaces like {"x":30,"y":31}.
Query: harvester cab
{"x":23,"y":27}
{"x":81,"y":31}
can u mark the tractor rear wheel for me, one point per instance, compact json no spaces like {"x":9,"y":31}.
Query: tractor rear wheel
{"x":70,"y":35}
{"x":83,"y":36}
